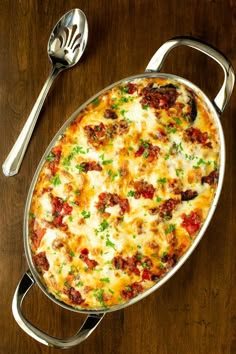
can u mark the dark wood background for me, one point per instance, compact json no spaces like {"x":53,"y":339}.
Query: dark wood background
{"x":194,"y":312}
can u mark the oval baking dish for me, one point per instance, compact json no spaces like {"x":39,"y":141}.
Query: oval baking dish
{"x":124,"y":193}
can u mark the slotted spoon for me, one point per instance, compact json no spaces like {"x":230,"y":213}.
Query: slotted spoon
{"x":66,"y":45}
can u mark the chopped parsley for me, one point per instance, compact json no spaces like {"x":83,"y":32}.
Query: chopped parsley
{"x":79,"y":284}
{"x":50,"y":157}
{"x":109,"y":243}
{"x":190,"y":157}
{"x":145,"y":106}
{"x":98,"y":294}
{"x":170,"y":130}
{"x":158,"y":199}
{"x":167,"y":156}
{"x":67,"y":285}
{"x":162,"y":181}
{"x":179,"y":172}
{"x":177,"y":120}
{"x":102,"y":227}
{"x":72,"y":253}
{"x":170,"y":228}
{"x":122,"y":112}
{"x":131,"y":194}
{"x":106,"y":162}
{"x":96,"y":102}
{"x":124,"y":89}
{"x":86,"y":214}
{"x":78,"y":150}
{"x":178,"y":147}
{"x":106,"y":280}
{"x":56,"y":180}
{"x":80,"y":168}
{"x":202,"y":162}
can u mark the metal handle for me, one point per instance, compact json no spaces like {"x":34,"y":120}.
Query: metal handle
{"x":87,"y":328}
{"x":224,"y":94}
{"x":13,"y":161}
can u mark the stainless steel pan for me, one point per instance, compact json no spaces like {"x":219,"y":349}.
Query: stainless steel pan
{"x":31,"y":277}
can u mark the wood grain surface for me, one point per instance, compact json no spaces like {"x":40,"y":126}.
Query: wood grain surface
{"x":195,"y":311}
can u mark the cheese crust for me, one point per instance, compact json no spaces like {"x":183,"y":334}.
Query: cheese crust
{"x":123,"y":193}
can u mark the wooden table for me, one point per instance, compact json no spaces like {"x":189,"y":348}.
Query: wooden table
{"x":193,"y":313}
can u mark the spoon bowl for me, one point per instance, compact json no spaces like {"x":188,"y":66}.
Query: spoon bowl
{"x":68,"y":39}
{"x":66,"y":45}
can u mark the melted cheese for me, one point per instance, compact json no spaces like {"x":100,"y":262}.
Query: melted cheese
{"x":145,"y":236}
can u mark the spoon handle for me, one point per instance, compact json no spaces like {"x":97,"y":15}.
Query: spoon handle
{"x":13,"y":161}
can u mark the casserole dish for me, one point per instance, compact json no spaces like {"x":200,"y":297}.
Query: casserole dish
{"x":158,"y":93}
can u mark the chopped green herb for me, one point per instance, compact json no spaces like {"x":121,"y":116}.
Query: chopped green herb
{"x":170,"y":130}
{"x":78,"y":150}
{"x":109,"y":243}
{"x":158,"y":199}
{"x":66,"y":162}
{"x":50,"y":157}
{"x":106,"y":162}
{"x":170,"y":228}
{"x":79,"y":283}
{"x":179,"y":172}
{"x":123,"y":89}
{"x":215,"y":165}
{"x":98,"y":294}
{"x":177,"y":120}
{"x":124,"y":99}
{"x":32,"y":216}
{"x":145,"y":143}
{"x":86,"y":214}
{"x":131,"y":194}
{"x":67,"y":284}
{"x":111,"y":291}
{"x":70,"y":218}
{"x":72,"y":253}
{"x":103,"y":226}
{"x":178,"y":147}
{"x":56,"y":180}
{"x":115,"y":106}
{"x":145,"y":154}
{"x":74,"y":204}
{"x":145,"y":106}
{"x":167,"y":156}
{"x":162,"y":181}
{"x":106,"y":280}
{"x":190,"y":157}
{"x":96,"y":102}
{"x":122,"y":112}
{"x":77,"y":192}
{"x":202,"y":162}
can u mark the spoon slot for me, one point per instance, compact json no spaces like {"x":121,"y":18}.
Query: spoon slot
{"x":76,"y":43}
{"x":73,"y":31}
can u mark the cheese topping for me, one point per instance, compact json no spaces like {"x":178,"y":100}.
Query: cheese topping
{"x":124,"y":192}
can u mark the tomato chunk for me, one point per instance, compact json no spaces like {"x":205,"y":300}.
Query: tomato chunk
{"x":192,"y":222}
